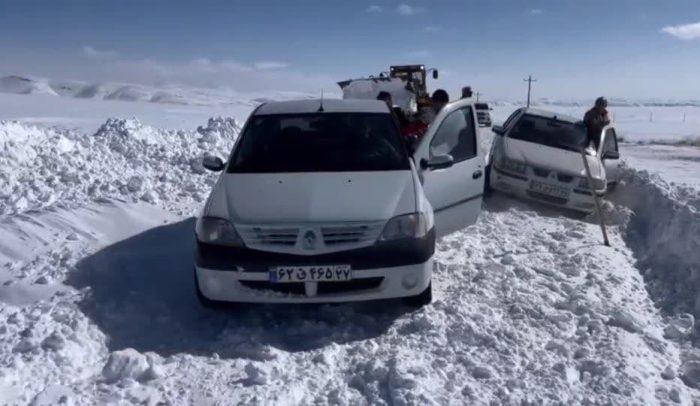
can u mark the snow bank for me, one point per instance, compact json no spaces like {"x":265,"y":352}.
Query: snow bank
{"x":124,"y":159}
{"x":664,"y":233}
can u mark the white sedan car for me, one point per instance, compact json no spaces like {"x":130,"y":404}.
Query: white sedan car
{"x":535,"y":155}
{"x":320,"y":202}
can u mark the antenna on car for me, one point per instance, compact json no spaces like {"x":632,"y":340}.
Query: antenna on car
{"x":320,"y":107}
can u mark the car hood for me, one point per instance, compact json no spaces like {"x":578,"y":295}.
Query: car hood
{"x":312,"y":197}
{"x":557,"y":159}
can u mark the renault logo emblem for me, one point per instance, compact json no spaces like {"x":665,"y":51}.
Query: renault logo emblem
{"x":309,"y":240}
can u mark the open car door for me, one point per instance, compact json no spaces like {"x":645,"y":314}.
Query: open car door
{"x":609,"y":154}
{"x":451,"y":165}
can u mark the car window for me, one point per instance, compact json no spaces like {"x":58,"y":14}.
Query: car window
{"x":456,"y":136}
{"x":320,"y":142}
{"x":610,"y":140}
{"x":510,"y":119}
{"x":550,"y":132}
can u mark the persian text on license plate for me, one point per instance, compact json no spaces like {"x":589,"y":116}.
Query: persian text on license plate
{"x":321,"y":273}
{"x":550,"y":190}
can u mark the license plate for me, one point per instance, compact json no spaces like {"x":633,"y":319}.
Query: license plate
{"x":550,"y":190}
{"x":321,"y":273}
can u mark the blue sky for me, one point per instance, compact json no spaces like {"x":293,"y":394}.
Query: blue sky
{"x":575,"y":48}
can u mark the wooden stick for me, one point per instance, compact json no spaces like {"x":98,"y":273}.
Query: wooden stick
{"x":596,"y":199}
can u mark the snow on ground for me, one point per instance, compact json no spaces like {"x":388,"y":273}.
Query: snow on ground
{"x":678,"y":165}
{"x":97,"y":301}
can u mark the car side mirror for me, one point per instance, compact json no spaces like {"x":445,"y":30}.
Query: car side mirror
{"x":435,"y":74}
{"x":437,"y":162}
{"x":213,"y":163}
{"x":611,"y":155}
{"x":498,"y":130}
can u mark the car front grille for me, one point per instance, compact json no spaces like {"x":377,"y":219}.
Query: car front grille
{"x":324,"y":288}
{"x":562,"y":177}
{"x":542,"y":173}
{"x":545,"y":173}
{"x":350,"y":234}
{"x":269,"y":236}
{"x":287,"y":238}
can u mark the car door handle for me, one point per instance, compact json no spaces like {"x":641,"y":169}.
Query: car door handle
{"x":477,"y":174}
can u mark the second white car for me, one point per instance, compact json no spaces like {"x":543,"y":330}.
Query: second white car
{"x":536,"y":155}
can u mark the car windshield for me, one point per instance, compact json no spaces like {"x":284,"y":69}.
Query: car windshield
{"x":320,"y":142}
{"x":481,"y":106}
{"x":550,"y":132}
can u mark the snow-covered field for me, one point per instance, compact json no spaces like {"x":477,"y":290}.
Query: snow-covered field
{"x":97,"y":301}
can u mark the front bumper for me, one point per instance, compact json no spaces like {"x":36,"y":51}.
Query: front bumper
{"x":519,"y":186}
{"x":367,"y":284}
{"x":384,"y":270}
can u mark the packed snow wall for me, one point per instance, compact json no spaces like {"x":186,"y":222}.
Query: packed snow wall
{"x":664,"y":233}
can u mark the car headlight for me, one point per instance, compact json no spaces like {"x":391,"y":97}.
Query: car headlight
{"x":513,"y":166}
{"x":212,"y":230}
{"x":597,"y":183}
{"x":407,"y":226}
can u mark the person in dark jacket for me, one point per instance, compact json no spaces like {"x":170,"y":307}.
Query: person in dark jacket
{"x":596,"y":119}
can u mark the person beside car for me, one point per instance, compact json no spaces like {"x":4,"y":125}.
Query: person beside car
{"x":596,"y":119}
{"x":416,"y":129}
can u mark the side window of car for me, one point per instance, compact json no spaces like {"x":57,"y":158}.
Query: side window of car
{"x":456,"y":136}
{"x":610,"y":140}
{"x":511,"y":119}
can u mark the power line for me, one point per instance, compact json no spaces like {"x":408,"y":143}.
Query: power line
{"x":529,"y":81}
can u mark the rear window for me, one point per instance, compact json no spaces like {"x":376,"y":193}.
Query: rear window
{"x":320,"y":142}
{"x":550,"y":132}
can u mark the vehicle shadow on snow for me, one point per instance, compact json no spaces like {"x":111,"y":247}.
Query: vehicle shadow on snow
{"x":142,"y":296}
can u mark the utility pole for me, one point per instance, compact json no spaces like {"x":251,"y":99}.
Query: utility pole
{"x":529,"y":81}
{"x":477,"y":96}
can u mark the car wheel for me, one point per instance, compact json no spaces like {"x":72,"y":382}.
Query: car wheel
{"x":487,"y":181}
{"x":422,"y":299}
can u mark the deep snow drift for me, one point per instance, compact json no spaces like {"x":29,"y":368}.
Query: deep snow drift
{"x":123,"y":159}
{"x":97,"y":303}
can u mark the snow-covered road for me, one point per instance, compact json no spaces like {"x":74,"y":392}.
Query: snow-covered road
{"x":529,"y":307}
{"x":97,"y":302}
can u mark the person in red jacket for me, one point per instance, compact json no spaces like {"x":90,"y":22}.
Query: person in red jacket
{"x":416,"y":129}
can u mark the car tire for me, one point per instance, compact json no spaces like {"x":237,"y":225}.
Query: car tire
{"x":422,"y":299}
{"x":487,"y":181}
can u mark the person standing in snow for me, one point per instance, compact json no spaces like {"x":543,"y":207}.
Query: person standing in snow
{"x":596,"y":119}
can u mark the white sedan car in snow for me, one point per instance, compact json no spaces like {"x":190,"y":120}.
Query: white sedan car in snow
{"x":320,"y":202}
{"x":535,"y":155}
